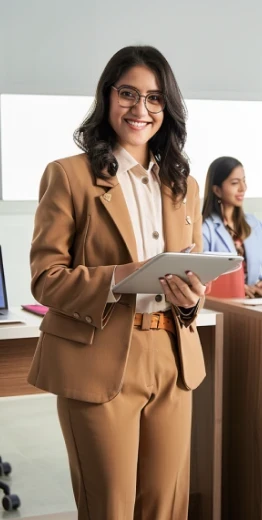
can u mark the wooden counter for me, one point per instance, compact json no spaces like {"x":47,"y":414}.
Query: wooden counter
{"x":242,"y":405}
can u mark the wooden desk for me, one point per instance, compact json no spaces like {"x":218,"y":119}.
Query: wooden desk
{"x":242,"y":404}
{"x":17,"y":345}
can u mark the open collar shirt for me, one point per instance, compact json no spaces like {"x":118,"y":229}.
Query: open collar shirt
{"x":142,"y":192}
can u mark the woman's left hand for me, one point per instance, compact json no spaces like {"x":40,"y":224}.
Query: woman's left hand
{"x":253,"y":291}
{"x":180,"y":293}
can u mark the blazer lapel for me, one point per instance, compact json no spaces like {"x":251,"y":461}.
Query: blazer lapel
{"x":114,"y":202}
{"x":174,"y":220}
{"x":224,"y":234}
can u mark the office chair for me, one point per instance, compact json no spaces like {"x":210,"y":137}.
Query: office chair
{"x":10,"y":502}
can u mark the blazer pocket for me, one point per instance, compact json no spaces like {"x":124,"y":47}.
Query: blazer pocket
{"x":68,"y":328}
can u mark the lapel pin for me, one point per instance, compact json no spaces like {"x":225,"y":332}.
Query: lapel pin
{"x":188,"y":219}
{"x":107,"y":196}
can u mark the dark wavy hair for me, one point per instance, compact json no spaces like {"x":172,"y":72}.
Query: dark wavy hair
{"x":97,"y":138}
{"x":218,"y":171}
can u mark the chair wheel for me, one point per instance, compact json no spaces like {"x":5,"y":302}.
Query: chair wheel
{"x":5,"y":468}
{"x":11,"y":502}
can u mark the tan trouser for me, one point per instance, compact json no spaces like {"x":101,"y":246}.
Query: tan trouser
{"x":129,"y":457}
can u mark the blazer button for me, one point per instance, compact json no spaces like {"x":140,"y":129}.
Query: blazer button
{"x":158,"y":298}
{"x":76,"y":315}
{"x":88,"y":319}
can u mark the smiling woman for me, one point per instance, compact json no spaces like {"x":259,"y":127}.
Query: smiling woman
{"x":226,"y":227}
{"x":123,"y":365}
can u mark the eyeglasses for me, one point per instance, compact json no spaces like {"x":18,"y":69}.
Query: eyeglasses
{"x":128,"y":97}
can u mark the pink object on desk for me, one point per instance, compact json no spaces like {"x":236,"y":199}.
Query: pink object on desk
{"x":231,"y":285}
{"x":40,"y":310}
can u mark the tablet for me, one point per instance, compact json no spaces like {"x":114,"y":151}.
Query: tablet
{"x":207,"y":266}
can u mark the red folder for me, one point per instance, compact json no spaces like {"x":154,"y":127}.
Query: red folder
{"x":40,"y":310}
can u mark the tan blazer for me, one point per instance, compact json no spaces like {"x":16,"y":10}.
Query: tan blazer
{"x":82,"y":230}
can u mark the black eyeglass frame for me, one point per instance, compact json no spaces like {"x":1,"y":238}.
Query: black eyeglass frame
{"x":140,"y":96}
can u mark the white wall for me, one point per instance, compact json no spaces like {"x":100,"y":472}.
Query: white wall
{"x":61,"y":47}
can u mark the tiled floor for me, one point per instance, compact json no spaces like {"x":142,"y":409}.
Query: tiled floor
{"x":31,"y":440}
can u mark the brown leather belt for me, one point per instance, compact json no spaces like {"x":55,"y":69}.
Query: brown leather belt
{"x":156,"y":320}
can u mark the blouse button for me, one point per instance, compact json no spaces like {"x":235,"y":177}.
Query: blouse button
{"x":155,"y":234}
{"x":145,"y":180}
{"x":158,"y":298}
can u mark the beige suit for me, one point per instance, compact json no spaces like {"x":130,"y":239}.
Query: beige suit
{"x":124,"y":404}
{"x":82,"y":351}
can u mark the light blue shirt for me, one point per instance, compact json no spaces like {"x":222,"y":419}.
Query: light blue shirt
{"x":216,"y":238}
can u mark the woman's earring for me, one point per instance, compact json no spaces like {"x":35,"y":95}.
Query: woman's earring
{"x":219,"y":201}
